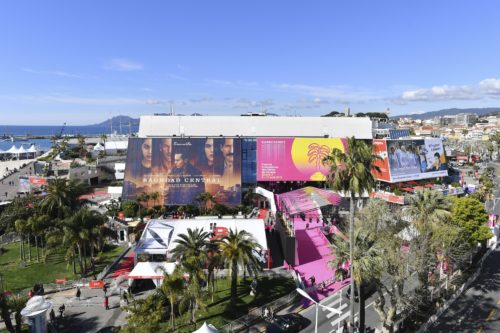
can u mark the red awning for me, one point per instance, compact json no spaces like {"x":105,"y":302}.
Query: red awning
{"x":407,"y":189}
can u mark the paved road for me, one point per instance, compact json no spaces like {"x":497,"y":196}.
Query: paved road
{"x":478,"y":309}
{"x":329,"y":322}
{"x":9,"y":186}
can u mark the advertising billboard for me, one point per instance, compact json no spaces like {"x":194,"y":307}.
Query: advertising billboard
{"x":295,"y":159}
{"x":411,"y":159}
{"x":380,"y":149}
{"x":179,"y":169}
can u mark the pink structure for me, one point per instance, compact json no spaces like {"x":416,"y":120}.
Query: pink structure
{"x":313,"y":255}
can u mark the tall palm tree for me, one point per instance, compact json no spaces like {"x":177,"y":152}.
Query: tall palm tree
{"x":171,"y":289}
{"x":142,"y":198}
{"x":351,"y":173}
{"x":21,"y":228}
{"x":236,"y":248}
{"x":366,"y":263}
{"x":191,"y":252}
{"x":427,"y":210}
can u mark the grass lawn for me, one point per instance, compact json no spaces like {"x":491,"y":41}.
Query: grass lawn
{"x":16,"y":278}
{"x":218,"y":313}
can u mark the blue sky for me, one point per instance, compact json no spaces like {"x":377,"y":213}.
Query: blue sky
{"x":81,"y":62}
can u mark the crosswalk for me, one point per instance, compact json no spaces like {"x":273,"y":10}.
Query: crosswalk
{"x":336,"y":320}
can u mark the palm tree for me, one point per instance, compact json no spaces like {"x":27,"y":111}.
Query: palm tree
{"x":21,"y":228}
{"x":191,"y":252}
{"x":351,"y":173}
{"x":143,"y":197}
{"x":81,"y":145}
{"x":154,"y":196}
{"x":236,"y":248}
{"x":215,"y":261}
{"x":204,"y":199}
{"x":171,"y":289}
{"x":427,"y":210}
{"x":63,"y":196}
{"x":366,"y":263}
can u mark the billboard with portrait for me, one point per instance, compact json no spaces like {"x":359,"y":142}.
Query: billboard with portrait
{"x":179,"y":169}
{"x":412,"y":159}
{"x":295,"y":159}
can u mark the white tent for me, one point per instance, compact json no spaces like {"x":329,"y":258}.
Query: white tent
{"x":206,"y":328}
{"x":32,"y":149}
{"x":155,"y":238}
{"x":151,"y":270}
{"x":22,"y":150}
{"x":13,"y":150}
{"x":98,"y":147}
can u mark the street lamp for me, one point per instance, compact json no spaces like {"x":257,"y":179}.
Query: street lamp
{"x":306,"y":295}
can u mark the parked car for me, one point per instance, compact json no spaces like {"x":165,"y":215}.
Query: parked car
{"x":369,"y":289}
{"x":291,"y":322}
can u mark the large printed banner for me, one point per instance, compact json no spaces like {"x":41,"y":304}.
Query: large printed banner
{"x":179,"y":169}
{"x":410,"y":159}
{"x":380,"y":149}
{"x":294,"y":159}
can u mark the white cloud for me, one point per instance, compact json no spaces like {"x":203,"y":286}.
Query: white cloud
{"x":54,"y":73}
{"x":490,"y":86}
{"x":487,"y":88}
{"x":123,"y":65}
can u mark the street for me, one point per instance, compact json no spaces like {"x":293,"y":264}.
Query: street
{"x":478,"y":309}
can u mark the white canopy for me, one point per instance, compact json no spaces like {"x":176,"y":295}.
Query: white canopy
{"x":32,"y":149}
{"x":13,"y":150}
{"x":206,"y":328}
{"x":152,"y":270}
{"x":116,"y":145}
{"x":98,"y":147}
{"x":22,"y":150}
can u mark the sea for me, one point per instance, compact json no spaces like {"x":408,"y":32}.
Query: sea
{"x":48,"y":131}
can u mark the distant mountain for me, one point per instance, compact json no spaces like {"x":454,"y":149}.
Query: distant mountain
{"x":117,"y":120}
{"x":450,"y":112}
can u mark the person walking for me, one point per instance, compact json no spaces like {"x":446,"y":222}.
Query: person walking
{"x":52,"y":316}
{"x":105,"y":289}
{"x":78,"y":293}
{"x":106,"y":302}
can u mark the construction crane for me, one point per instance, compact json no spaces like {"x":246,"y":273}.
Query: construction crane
{"x":59,"y":136}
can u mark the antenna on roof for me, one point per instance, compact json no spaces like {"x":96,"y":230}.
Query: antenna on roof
{"x":172,"y":112}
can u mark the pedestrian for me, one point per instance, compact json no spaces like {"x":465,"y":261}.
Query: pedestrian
{"x":78,"y":293}
{"x":105,"y":288}
{"x":52,"y":316}
{"x":30,"y":293}
{"x":345,"y":329}
{"x":307,"y":225}
{"x":106,"y":302}
{"x":61,"y":310}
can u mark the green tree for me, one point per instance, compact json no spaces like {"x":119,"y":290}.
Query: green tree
{"x":145,"y":316}
{"x":130,"y":208}
{"x":351,"y":173}
{"x":22,"y":230}
{"x":205,"y":199}
{"x":236,"y":248}
{"x":16,"y":304}
{"x":140,"y":199}
{"x":469,"y":214}
{"x":63,"y":197}
{"x":428,"y":210}
{"x":191,"y":252}
{"x":366,"y":262}
{"x":171,"y":289}
{"x":5,"y":312}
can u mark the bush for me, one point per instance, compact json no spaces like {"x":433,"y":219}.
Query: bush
{"x":130,"y":208}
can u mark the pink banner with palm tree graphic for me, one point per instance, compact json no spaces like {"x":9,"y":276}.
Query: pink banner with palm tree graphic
{"x":295,"y":159}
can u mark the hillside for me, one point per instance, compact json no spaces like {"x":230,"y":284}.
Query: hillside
{"x":450,"y":112}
